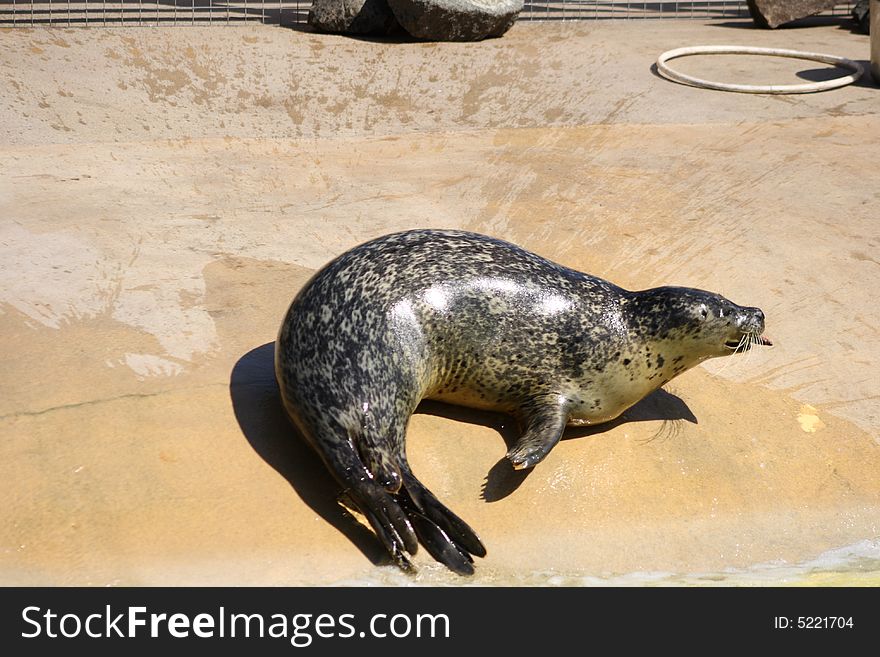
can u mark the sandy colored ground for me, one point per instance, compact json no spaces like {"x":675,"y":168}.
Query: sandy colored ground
{"x":165,"y":192}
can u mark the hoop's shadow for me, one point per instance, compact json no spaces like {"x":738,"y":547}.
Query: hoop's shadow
{"x":831,"y":72}
{"x":258,"y":409}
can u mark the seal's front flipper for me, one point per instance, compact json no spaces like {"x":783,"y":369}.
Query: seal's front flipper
{"x":543,"y":429}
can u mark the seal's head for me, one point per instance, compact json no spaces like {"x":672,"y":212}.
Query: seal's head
{"x":705,"y":323}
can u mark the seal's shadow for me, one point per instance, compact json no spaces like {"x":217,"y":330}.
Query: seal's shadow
{"x":502,"y":479}
{"x":258,"y":409}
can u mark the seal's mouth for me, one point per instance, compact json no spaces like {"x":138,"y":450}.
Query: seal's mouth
{"x":748,"y":340}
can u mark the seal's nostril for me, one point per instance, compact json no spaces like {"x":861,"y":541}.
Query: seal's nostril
{"x":759,"y":320}
{"x":750,"y":319}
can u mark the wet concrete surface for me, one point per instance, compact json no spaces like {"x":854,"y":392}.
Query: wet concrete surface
{"x":165,"y":192}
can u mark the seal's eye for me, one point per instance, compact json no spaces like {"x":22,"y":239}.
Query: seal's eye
{"x":704,"y":312}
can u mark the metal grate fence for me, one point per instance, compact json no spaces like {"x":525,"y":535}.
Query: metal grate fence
{"x":18,"y":13}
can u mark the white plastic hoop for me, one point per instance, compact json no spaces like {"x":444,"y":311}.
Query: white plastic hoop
{"x":666,"y":71}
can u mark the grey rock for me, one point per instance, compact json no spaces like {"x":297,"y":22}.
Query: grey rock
{"x":352,"y":16}
{"x":456,"y":20}
{"x":862,"y":16}
{"x":773,"y":13}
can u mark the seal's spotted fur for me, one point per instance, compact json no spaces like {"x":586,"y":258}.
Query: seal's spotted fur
{"x":472,"y":320}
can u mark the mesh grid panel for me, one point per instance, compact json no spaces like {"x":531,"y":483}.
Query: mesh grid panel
{"x":210,"y":12}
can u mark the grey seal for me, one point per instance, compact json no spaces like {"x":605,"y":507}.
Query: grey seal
{"x":469,"y":319}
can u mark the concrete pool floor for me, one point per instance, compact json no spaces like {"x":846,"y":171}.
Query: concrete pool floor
{"x":165,"y":192}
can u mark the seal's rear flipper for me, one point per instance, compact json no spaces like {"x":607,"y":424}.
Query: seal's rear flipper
{"x":392,"y":542}
{"x":447,"y":537}
{"x":440,"y":546}
{"x":389,"y":521}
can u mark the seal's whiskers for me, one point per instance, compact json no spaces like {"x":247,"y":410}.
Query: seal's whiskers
{"x":734,"y":351}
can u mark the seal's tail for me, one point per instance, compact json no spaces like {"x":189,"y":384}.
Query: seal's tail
{"x":446,"y":536}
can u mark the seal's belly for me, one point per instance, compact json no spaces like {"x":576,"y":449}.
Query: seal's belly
{"x":474,"y":399}
{"x":601,"y":400}
{"x":475,"y":386}
{"x":597,"y":410}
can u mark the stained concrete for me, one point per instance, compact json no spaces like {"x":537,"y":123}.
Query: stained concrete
{"x":165,"y":192}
